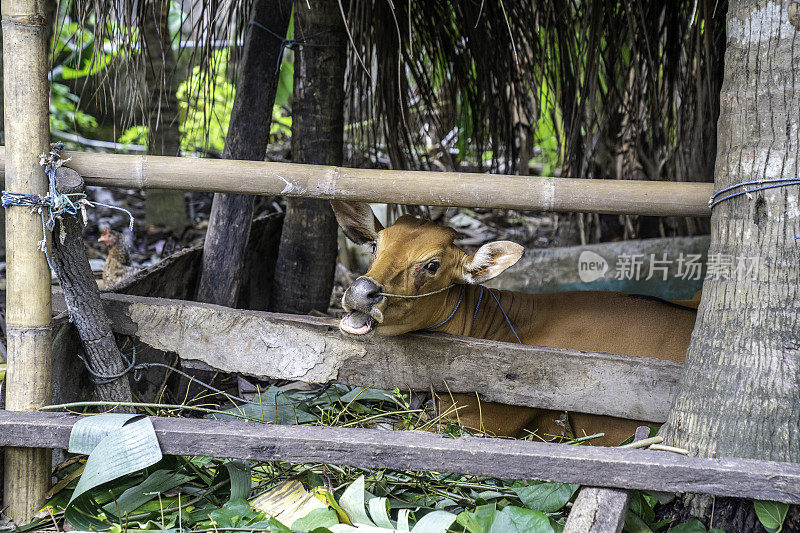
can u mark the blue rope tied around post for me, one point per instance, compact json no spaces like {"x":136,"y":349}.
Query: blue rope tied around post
{"x":53,"y":205}
{"x":761,"y":185}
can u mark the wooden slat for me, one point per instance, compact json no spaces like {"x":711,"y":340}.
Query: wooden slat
{"x":312,"y":349}
{"x":411,"y":450}
{"x":660,"y":198}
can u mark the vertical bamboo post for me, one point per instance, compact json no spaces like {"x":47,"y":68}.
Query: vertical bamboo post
{"x":28,"y":380}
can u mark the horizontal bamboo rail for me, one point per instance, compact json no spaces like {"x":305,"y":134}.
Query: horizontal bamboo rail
{"x":415,"y":450}
{"x":659,"y":198}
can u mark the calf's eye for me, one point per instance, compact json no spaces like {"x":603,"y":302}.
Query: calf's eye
{"x":432,"y":266}
{"x":374,"y":247}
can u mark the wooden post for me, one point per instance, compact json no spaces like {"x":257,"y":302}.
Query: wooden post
{"x":307,"y":254}
{"x":247,"y":139}
{"x":68,"y":256}
{"x":29,"y":375}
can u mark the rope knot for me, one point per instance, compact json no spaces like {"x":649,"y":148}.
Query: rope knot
{"x":54,"y":204}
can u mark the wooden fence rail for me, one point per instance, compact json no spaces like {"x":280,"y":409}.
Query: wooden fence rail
{"x":272,"y":345}
{"x":660,"y":198}
{"x":412,"y":450}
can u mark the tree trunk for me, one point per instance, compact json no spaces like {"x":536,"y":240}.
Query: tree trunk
{"x":164,"y":207}
{"x":740,"y":391}
{"x":248,"y":136}
{"x":307,"y":255}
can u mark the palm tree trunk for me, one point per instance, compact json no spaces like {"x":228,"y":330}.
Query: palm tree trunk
{"x":248,"y":136}
{"x":307,"y":255}
{"x":740,"y":392}
{"x":164,"y":207}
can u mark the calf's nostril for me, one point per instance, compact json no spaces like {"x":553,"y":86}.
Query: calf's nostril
{"x":365,"y":292}
{"x":374,"y":294}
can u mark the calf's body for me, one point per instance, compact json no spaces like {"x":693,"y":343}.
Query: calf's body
{"x":596,"y":321}
{"x":419,"y":279}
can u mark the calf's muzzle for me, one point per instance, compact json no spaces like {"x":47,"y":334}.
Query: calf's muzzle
{"x":360,"y":300}
{"x":363,"y":295}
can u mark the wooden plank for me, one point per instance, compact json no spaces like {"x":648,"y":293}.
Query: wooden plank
{"x":311,"y":349}
{"x":660,"y":198}
{"x":412,"y":450}
{"x":176,"y":276}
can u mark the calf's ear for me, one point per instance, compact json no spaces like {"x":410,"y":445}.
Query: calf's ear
{"x":490,"y":261}
{"x":357,"y":221}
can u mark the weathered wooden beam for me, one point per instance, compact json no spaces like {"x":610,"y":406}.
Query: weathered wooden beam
{"x":661,"y":198}
{"x":27,"y":132}
{"x":543,"y":270}
{"x":412,"y":450}
{"x":312,"y":349}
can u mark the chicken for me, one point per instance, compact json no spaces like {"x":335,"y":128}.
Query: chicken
{"x":118,"y":263}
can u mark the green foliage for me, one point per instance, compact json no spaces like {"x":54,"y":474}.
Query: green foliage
{"x":283,"y":93}
{"x":511,"y":519}
{"x":693,"y":526}
{"x":546,"y":133}
{"x":207,"y":494}
{"x":237,"y":514}
{"x":545,"y":497}
{"x":64,"y":112}
{"x":202,"y":493}
{"x":205,"y":99}
{"x":118,"y":445}
{"x":316,"y":519}
{"x":134,"y":135}
{"x":771,"y":514}
{"x":175,"y":19}
{"x":74,"y":52}
{"x":280,"y":129}
{"x":205,"y":102}
{"x":287,"y":406}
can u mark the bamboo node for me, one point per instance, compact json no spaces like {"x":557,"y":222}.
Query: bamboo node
{"x":35,"y":19}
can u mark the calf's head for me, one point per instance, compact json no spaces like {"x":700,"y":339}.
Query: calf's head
{"x":410,"y":258}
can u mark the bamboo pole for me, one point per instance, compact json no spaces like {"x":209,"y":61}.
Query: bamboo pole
{"x":28,"y":380}
{"x":658,"y":198}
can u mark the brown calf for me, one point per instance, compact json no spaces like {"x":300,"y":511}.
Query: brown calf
{"x":420,"y":280}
